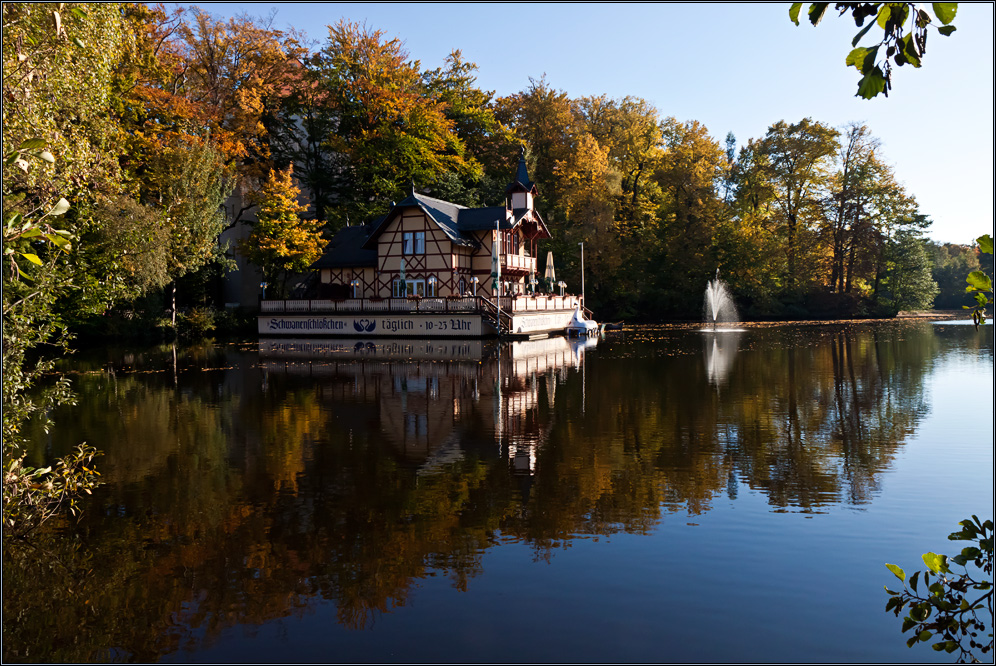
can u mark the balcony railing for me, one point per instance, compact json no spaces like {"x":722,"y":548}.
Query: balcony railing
{"x":519,"y":262}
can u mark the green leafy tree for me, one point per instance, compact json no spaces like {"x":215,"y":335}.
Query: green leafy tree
{"x":57,"y":61}
{"x":951,"y":610}
{"x":904,"y":28}
{"x":282,"y":242}
{"x":951,"y":263}
{"x":910,"y":284}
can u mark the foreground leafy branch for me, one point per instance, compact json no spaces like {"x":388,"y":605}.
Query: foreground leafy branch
{"x":980,"y":285}
{"x":948,"y":610}
{"x":900,"y":44}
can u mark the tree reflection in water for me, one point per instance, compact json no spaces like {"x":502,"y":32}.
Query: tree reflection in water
{"x":269,"y":477}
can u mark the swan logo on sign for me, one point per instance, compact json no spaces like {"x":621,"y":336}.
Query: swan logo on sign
{"x":364,"y":325}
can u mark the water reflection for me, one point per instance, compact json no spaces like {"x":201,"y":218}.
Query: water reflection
{"x":267,"y":477}
{"x":720,"y":352}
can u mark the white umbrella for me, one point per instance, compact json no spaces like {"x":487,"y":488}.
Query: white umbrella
{"x":549,"y":275}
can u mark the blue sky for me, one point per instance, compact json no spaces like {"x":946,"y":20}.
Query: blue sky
{"x":732,"y":67}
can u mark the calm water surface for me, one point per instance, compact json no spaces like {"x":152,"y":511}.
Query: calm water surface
{"x":662,"y":495}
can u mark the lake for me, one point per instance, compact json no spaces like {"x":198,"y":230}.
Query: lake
{"x":662,"y":494}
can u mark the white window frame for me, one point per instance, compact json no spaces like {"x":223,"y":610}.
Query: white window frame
{"x":415,"y":287}
{"x":419,"y":242}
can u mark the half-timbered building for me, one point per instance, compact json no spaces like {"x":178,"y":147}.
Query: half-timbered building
{"x":412,"y":270}
{"x":426,"y":247}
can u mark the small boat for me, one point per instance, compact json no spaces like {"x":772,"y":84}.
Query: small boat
{"x":581,"y":327}
{"x":610,"y":326}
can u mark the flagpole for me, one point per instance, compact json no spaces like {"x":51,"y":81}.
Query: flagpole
{"x":497,"y":249}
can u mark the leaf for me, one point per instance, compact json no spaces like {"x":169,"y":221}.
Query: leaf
{"x":47,"y":156}
{"x":33,"y":258}
{"x":897,"y":571}
{"x":78,"y":42}
{"x":871,"y":84}
{"x":935,"y":562}
{"x":862,"y":58}
{"x":816,"y":12}
{"x":21,"y":164}
{"x":908,"y":623}
{"x":945,"y":11}
{"x":59,"y":241}
{"x":60,"y":207}
{"x":985,"y":245}
{"x":32,"y":144}
{"x":946,"y":30}
{"x":914,"y":579}
{"x":924,"y":635}
{"x":979,"y":280}
{"x":857,"y":38}
{"x":883,"y":16}
{"x":909,"y":50}
{"x":794,"y":12}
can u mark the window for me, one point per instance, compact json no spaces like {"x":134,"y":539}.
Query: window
{"x":408,"y":288}
{"x":432,"y":286}
{"x":463,"y":286}
{"x":413,"y":242}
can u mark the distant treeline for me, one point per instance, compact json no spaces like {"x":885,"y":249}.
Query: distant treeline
{"x":146,"y":121}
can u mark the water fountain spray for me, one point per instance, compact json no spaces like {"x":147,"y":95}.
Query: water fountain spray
{"x":719,"y":306}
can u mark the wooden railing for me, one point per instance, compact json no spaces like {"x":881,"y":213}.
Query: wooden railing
{"x":521,"y":262}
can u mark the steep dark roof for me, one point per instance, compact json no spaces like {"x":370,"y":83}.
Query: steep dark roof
{"x":480,"y":219}
{"x":346,"y":248}
{"x":455,"y":220}
{"x":521,"y":181}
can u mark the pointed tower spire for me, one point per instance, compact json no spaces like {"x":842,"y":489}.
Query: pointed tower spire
{"x":520,"y":192}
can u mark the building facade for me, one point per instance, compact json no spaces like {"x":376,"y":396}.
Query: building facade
{"x":426,"y":247}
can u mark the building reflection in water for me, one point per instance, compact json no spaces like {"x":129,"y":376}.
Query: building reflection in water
{"x":436,"y":397}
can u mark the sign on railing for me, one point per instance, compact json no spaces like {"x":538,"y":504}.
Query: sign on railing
{"x":458,"y":304}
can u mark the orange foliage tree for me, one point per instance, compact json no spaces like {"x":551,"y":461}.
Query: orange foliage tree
{"x":281,"y":241}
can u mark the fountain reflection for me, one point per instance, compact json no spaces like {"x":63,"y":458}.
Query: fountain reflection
{"x":720,"y":353}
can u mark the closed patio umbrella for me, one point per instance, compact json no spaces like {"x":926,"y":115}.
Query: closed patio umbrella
{"x":549,"y":274}
{"x":404,"y":284}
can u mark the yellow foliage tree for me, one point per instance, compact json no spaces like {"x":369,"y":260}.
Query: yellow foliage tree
{"x":281,"y":241}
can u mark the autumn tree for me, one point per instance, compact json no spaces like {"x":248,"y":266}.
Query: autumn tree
{"x":544,"y":120}
{"x":796,"y":164}
{"x":282,"y":242}
{"x":488,"y":141}
{"x":691,"y":166}
{"x":389,"y":129}
{"x":233,"y":71}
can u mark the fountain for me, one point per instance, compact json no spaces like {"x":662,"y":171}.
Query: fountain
{"x":719,"y":306}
